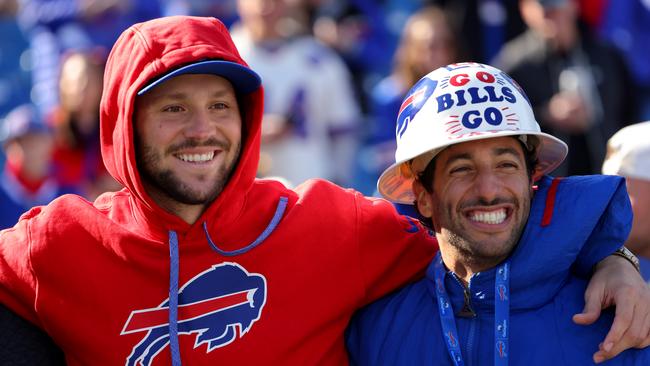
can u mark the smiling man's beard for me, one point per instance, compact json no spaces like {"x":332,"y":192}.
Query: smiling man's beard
{"x":172,"y":186}
{"x":471,"y":250}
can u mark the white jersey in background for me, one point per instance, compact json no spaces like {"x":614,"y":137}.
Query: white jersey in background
{"x":308,"y":84}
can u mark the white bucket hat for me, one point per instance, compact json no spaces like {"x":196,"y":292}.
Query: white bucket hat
{"x":628,"y":152}
{"x":459,"y":103}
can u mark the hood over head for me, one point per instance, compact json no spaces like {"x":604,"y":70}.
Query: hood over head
{"x":152,"y":52}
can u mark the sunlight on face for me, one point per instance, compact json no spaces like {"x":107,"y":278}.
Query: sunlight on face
{"x":481,"y":198}
{"x":188,"y":137}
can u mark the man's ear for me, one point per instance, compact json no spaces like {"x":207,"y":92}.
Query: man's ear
{"x":423,"y":199}
{"x":537,"y":175}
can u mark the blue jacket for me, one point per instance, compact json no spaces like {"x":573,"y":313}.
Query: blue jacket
{"x":589,"y":216}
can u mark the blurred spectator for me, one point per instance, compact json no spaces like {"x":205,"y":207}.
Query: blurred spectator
{"x":591,"y":12}
{"x":14,"y":60}
{"x":224,"y":10}
{"x":77,"y":160}
{"x":627,"y":25}
{"x":579,"y":86}
{"x":428,"y":42}
{"x":365,"y":33}
{"x":25,"y":180}
{"x":311,"y":112}
{"x":628,"y":155}
{"x":484,"y":25}
{"x":54,"y":27}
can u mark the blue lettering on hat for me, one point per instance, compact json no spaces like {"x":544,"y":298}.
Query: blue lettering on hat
{"x":517,"y":86}
{"x":445,"y":101}
{"x":476,"y":96}
{"x":472,"y":123}
{"x":472,"y":119}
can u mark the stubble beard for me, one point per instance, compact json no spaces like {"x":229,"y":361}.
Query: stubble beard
{"x":474,"y":252}
{"x":170,"y":185}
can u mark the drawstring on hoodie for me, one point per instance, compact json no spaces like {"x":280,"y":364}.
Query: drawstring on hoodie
{"x":173,"y":272}
{"x":279,"y":212}
{"x":173,"y":299}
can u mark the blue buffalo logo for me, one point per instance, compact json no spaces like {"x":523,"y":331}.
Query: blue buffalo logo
{"x":413,"y":102}
{"x":218,"y":305}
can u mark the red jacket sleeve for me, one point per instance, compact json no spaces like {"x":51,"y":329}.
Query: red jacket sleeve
{"x":393,"y":249}
{"x":17,"y":280}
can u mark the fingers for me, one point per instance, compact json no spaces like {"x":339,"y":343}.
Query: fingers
{"x":630,"y":338}
{"x":631,"y":327}
{"x":589,"y":315}
{"x":624,"y":315}
{"x":594,"y":299}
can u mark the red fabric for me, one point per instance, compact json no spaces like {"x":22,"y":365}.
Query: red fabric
{"x":69,"y":166}
{"x":591,"y":11}
{"x":81,"y":270}
{"x":30,"y":185}
{"x":550,"y":202}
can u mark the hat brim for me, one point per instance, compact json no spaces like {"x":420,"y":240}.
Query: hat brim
{"x":243,"y":79}
{"x":396,"y":186}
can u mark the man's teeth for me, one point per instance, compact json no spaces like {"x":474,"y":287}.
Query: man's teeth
{"x":199,"y":158}
{"x":492,"y":217}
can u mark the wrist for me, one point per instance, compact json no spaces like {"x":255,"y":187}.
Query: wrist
{"x":621,"y":255}
{"x":627,"y":254}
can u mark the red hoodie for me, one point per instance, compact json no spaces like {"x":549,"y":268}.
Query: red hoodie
{"x":266,"y":276}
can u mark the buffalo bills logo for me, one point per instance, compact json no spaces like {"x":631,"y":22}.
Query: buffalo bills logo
{"x":503,"y":294}
{"x":501,"y":349}
{"x":451,"y":339}
{"x":218,"y":305}
{"x":413,"y":102}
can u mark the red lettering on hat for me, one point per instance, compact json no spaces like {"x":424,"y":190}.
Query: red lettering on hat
{"x":485,"y":77}
{"x":457,"y":81}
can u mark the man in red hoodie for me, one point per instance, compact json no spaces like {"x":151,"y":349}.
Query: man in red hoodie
{"x":195,"y":259}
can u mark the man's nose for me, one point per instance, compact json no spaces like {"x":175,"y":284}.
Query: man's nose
{"x":487,"y":185}
{"x":199,"y":126}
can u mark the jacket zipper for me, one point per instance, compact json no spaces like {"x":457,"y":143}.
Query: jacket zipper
{"x":467,"y":312}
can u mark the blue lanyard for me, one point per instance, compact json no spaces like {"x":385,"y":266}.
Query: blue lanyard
{"x":501,"y":314}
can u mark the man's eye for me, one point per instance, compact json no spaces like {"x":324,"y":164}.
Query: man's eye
{"x":220,"y":105}
{"x":509,"y":165}
{"x":173,"y":108}
{"x":460,"y":169}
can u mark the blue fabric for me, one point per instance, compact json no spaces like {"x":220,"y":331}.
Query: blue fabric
{"x":11,"y":210}
{"x":592,"y":217}
{"x":627,"y":25}
{"x":645,"y":268}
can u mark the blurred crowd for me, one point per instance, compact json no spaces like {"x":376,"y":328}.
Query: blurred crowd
{"x":334,"y":72}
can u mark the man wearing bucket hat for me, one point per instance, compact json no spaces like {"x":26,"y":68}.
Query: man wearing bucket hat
{"x":501,"y":291}
{"x":195,"y":260}
{"x":628,"y":155}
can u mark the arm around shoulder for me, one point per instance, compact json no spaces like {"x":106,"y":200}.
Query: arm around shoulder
{"x":394,"y":249}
